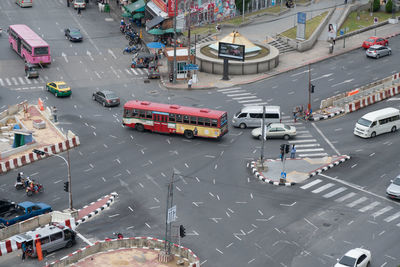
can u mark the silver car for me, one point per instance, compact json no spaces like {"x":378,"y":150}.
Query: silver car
{"x":378,"y":51}
{"x":393,"y":190}
{"x":275,"y":130}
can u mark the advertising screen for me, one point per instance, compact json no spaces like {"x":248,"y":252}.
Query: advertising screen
{"x":231,"y":51}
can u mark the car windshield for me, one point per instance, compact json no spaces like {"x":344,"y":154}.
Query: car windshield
{"x":62,"y":86}
{"x":364,"y":122}
{"x":370,"y":40}
{"x":287,"y":127}
{"x":347,"y":261}
{"x":41,"y":51}
{"x":111,"y":95}
{"x":75,"y":32}
{"x":396,"y":181}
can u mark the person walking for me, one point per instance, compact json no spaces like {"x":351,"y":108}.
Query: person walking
{"x":23,"y":249}
{"x":79,"y":10}
{"x":190,"y":82}
{"x":67,"y":3}
{"x":293,"y":152}
{"x":54,"y":113}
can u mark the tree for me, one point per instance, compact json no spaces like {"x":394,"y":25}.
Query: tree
{"x":377,"y":5}
{"x":389,"y":6}
{"x":239,"y":5}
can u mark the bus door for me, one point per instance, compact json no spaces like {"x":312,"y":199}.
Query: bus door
{"x":160,"y":122}
{"x":19,"y":45}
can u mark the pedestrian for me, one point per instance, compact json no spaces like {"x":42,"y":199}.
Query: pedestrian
{"x":295,"y":110}
{"x":293,"y":152}
{"x":190,"y":82}
{"x":54,"y":113}
{"x":79,"y":10}
{"x":23,"y":248}
{"x":345,"y":2}
{"x":67,"y":3}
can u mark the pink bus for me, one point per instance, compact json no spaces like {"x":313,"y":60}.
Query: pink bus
{"x":28,"y":44}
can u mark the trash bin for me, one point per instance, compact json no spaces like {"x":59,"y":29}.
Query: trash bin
{"x":106,"y":8}
{"x":330,"y":48}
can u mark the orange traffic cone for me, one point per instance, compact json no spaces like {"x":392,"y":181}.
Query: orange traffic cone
{"x":40,"y":104}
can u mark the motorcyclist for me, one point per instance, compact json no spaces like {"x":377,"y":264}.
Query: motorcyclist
{"x":28,"y":181}
{"x":19,"y":177}
{"x":122,"y":26}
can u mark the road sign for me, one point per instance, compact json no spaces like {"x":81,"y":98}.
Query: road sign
{"x":341,"y":31}
{"x":301,"y":17}
{"x":375,"y":20}
{"x":301,"y":26}
{"x":171,"y":214}
{"x":283,"y":175}
{"x":191,"y":67}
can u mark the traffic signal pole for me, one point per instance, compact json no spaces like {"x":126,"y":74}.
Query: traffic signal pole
{"x":309,"y":88}
{"x":262,"y":137}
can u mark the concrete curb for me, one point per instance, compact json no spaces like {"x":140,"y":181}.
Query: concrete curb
{"x":8,"y":246}
{"x":64,"y":261}
{"x":85,"y":218}
{"x":31,"y":157}
{"x":264,"y":179}
{"x":330,"y":115}
{"x":329,"y":166}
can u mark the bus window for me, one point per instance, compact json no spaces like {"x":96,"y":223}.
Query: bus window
{"x":127,"y":113}
{"x":141,"y":114}
{"x":193,"y":120}
{"x":200,"y":121}
{"x":214,"y":123}
{"x":134,"y":113}
{"x":178,"y":118}
{"x":149,"y":114}
{"x":41,"y":51}
{"x":185,"y":119}
{"x":207,"y":122}
{"x":171,"y":117}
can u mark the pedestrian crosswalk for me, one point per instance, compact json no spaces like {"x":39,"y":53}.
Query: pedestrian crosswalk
{"x":16,"y":81}
{"x":353,"y":200}
{"x":242,"y":96}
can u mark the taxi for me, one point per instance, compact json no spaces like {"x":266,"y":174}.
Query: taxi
{"x":58,"y":88}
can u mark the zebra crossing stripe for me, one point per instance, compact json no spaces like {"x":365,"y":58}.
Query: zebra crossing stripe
{"x":146,"y":70}
{"x":21,"y":80}
{"x":127,"y":71}
{"x":345,"y":197}
{"x":239,"y":94}
{"x":134,"y":71}
{"x":307,"y":145}
{"x":303,"y":132}
{"x":1,"y":82}
{"x":35,"y":81}
{"x":356,"y":202}
{"x":236,"y":91}
{"x":8,"y":81}
{"x":27,"y":80}
{"x":140,"y":71}
{"x":41,"y":80}
{"x":244,"y":97}
{"x":247,"y":101}
{"x":313,"y":155}
{"x":255,"y":104}
{"x":306,"y":186}
{"x":309,"y":150}
{"x":228,"y":89}
{"x":393,"y":217}
{"x":322,"y":188}
{"x":14,"y":80}
{"x":335,"y":192}
{"x":302,"y":141}
{"x":381,"y":211}
{"x":370,"y":206}
{"x":304,"y":136}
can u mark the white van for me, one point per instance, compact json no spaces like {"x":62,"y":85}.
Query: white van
{"x":52,"y":237}
{"x":251,"y":116}
{"x":24,"y":3}
{"x":378,"y":122}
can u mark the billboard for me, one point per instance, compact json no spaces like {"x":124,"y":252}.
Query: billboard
{"x":231,"y":51}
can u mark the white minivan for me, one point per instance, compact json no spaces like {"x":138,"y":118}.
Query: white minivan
{"x":251,"y":116}
{"x":24,"y":3}
{"x":378,"y":122}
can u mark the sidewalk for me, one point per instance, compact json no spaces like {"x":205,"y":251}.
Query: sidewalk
{"x":289,"y":61}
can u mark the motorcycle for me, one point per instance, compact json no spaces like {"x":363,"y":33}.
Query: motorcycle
{"x":129,"y":50}
{"x":36,"y":188}
{"x":19,"y":185}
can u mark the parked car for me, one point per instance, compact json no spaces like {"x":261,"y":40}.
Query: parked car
{"x":106,"y":97}
{"x":275,"y":130}
{"x":357,"y":257}
{"x":22,"y":212}
{"x":6,"y":205}
{"x":58,"y":88}
{"x":378,"y":51}
{"x":73,"y":34}
{"x":374,"y":41}
{"x":393,"y":190}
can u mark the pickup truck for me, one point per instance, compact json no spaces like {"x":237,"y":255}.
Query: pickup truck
{"x":22,"y":211}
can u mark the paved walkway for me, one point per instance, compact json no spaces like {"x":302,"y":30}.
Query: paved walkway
{"x":85,"y":211}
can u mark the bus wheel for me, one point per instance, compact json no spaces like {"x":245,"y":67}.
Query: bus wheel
{"x":189,"y":134}
{"x":139,"y":127}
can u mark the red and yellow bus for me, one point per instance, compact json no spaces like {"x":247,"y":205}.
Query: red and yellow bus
{"x":165,"y":118}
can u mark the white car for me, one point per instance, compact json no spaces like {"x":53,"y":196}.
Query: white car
{"x":357,"y":257}
{"x":275,"y":130}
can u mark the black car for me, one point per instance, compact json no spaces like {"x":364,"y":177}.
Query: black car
{"x":106,"y":98}
{"x":5,"y":205}
{"x":73,"y":34}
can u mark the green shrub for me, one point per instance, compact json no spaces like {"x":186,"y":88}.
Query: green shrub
{"x":389,"y":6}
{"x":376,"y":5}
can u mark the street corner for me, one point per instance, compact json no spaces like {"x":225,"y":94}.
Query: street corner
{"x":259,"y":172}
{"x":334,"y":162}
{"x":326,"y":113}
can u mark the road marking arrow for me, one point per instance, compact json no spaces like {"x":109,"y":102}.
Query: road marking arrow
{"x":89,"y":55}
{"x":197,"y":203}
{"x":193,"y":233}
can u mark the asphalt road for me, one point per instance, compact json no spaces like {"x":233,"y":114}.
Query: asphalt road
{"x":231,"y":218}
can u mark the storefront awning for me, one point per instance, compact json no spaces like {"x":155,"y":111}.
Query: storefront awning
{"x":155,"y":21}
{"x":156,"y":10}
{"x":135,"y":7}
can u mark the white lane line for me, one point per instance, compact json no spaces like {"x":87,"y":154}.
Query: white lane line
{"x":393,"y":217}
{"x":302,"y":141}
{"x":1,"y":82}
{"x":326,"y":139}
{"x":370,"y":206}
{"x":381,"y":211}
{"x":356,"y":202}
{"x":306,"y":186}
{"x":322,"y":188}
{"x":345,"y":197}
{"x":335,"y":192}
{"x":84,"y":239}
{"x":309,"y":150}
{"x":228,"y":89}
{"x":244,"y":97}
{"x":307,"y":145}
{"x":384,"y":198}
{"x":247,"y":101}
{"x":235,"y":91}
{"x":242,"y":94}
{"x":313,"y":155}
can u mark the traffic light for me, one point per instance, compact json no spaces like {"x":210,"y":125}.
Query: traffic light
{"x":287,"y":148}
{"x":66,"y":186}
{"x":312,"y":88}
{"x":282,"y":149}
{"x":182,"y":231}
{"x":39,"y":152}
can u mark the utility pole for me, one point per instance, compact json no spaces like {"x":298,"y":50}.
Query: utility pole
{"x":393,"y":9}
{"x":189,"y":22}
{"x":69,"y":180}
{"x":170,"y":197}
{"x":175,"y":65}
{"x":262,"y":137}
{"x":309,"y":88}
{"x":243,"y":11}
